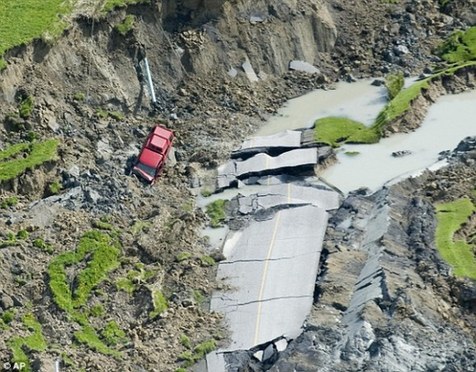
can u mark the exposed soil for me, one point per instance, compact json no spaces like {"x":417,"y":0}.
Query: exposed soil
{"x":191,"y":47}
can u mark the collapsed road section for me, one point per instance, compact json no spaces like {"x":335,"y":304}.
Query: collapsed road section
{"x":273,"y":249}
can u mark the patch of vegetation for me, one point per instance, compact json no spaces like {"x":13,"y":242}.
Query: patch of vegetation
{"x":198,"y":297}
{"x":459,"y":47}
{"x":207,"y":260}
{"x":160,"y":304}
{"x":206,"y":193}
{"x":104,"y":114}
{"x":34,"y":342}
{"x":185,"y":341}
{"x":459,"y":254}
{"x":140,"y":226}
{"x":97,"y":310}
{"x":113,"y":334}
{"x":25,"y":108}
{"x":335,"y":131}
{"x":394,"y":84}
{"x":126,"y":285}
{"x":11,"y":240}
{"x":79,"y":96}
{"x":216,"y":212}
{"x":41,"y":244}
{"x":183,"y":256}
{"x":26,"y":20}
{"x":104,"y":251}
{"x":119,"y":116}
{"x":88,"y":336}
{"x":55,"y":187}
{"x":126,"y":25}
{"x":101,"y":113}
{"x":8,"y":316}
{"x":352,"y":153}
{"x":22,"y":234}
{"x":190,"y":358}
{"x":112,"y":4}
{"x":102,"y":225}
{"x":11,"y":201}
{"x":37,"y":154}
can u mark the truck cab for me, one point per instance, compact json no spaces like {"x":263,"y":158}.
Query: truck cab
{"x":153,"y":154}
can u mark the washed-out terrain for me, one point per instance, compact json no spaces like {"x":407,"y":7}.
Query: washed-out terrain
{"x":100,"y":272}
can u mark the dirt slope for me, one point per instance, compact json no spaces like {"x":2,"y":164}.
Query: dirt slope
{"x":87,"y":94}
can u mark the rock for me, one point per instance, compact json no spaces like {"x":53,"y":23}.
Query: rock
{"x":232,"y":72}
{"x":256,"y":19}
{"x":92,"y":196}
{"x":268,"y":352}
{"x":259,"y":355}
{"x":349,"y":78}
{"x":249,"y":71}
{"x":401,"y":153}
{"x":378,"y":83}
{"x":400,"y":50}
{"x":6,"y":302}
{"x":281,"y":345}
{"x":304,"y":67}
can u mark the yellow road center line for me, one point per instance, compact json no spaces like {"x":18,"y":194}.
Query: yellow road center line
{"x":263,"y":278}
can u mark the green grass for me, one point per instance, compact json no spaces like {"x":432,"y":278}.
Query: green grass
{"x":22,"y":234}
{"x":459,"y":47}
{"x":183,"y":256}
{"x":160,"y":304}
{"x":207,"y":260}
{"x":113,"y":334}
{"x":55,"y":187}
{"x":112,"y":4}
{"x":185,"y":341}
{"x":37,"y":154}
{"x":99,"y":253}
{"x":459,"y":254}
{"x":104,"y":250}
{"x":335,"y":131}
{"x":41,"y":244}
{"x":190,"y":358}
{"x":216,"y":212}
{"x":394,"y":84}
{"x":88,"y":336}
{"x":126,"y":25}
{"x":11,"y":201}
{"x":22,"y":21}
{"x":25,"y":108}
{"x":126,"y":285}
{"x":35,"y":341}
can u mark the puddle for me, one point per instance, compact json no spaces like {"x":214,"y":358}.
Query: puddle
{"x":448,"y":121}
{"x":360,"y":101}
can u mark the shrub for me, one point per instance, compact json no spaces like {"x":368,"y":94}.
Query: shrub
{"x":216,"y":212}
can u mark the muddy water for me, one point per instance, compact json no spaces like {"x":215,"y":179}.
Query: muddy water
{"x":448,"y":121}
{"x":361,"y":101}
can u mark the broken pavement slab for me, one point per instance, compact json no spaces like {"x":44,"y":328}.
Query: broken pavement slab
{"x":271,"y":265}
{"x":289,"y":139}
{"x":262,"y":164}
{"x":289,"y":194}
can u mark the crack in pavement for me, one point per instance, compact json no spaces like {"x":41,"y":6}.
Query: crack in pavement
{"x":264,"y":300}
{"x":268,"y":259}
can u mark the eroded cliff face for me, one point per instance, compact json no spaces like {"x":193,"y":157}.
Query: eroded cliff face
{"x":268,"y":34}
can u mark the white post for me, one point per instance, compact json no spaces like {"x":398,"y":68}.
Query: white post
{"x":57,"y":365}
{"x":149,"y":81}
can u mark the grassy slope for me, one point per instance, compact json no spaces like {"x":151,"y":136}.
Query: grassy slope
{"x":460,"y":46}
{"x":21,"y":21}
{"x":458,"y":253}
{"x":39,"y":153}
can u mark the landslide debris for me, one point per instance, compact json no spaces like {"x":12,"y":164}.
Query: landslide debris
{"x":82,"y":89}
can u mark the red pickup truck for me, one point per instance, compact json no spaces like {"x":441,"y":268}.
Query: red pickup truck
{"x":153,"y":154}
